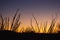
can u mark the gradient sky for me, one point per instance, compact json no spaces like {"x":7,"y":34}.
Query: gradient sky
{"x":42,"y":9}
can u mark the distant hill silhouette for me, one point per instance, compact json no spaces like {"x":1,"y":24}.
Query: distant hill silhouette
{"x":10,"y":35}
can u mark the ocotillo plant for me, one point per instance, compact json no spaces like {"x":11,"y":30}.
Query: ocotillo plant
{"x":52,"y":25}
{"x":32,"y":26}
{"x":16,"y":21}
{"x":6,"y":23}
{"x":15,"y":24}
{"x":36,"y":22}
{"x":2,"y":22}
{"x":45,"y":27}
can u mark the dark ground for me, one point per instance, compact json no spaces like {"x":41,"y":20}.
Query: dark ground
{"x":8,"y":35}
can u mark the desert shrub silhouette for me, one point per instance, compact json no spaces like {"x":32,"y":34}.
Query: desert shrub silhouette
{"x":15,"y":24}
{"x":10,"y":33}
{"x":4,"y":24}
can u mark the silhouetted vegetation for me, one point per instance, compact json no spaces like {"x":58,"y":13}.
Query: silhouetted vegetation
{"x":9,"y":32}
{"x":4,"y":24}
{"x":15,"y":24}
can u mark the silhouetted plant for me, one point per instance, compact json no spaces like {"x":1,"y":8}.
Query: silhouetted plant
{"x":16,"y":21}
{"x":45,"y":26}
{"x":2,"y":22}
{"x":52,"y":25}
{"x":6,"y":23}
{"x":36,"y":22}
{"x":14,"y":18}
{"x":32,"y":26}
{"x":15,"y":24}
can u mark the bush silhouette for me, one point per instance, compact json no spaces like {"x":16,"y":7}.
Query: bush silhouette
{"x":15,"y":24}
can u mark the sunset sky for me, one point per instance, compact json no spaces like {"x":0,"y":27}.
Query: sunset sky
{"x":42,"y":9}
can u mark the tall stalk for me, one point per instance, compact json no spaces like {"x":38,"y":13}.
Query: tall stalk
{"x":2,"y":22}
{"x":14,"y":19}
{"x":32,"y":26}
{"x":52,"y":24}
{"x":36,"y":22}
